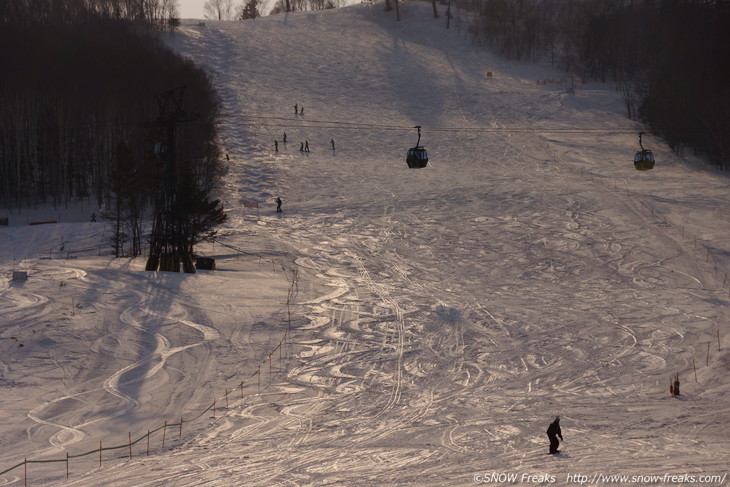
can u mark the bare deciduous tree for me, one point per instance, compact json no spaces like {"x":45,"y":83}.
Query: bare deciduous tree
{"x":218,"y":9}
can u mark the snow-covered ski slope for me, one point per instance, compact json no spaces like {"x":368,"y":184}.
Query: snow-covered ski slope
{"x":442,"y":316}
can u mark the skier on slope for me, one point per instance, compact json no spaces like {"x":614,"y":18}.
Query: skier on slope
{"x":553,"y":433}
{"x":278,"y":204}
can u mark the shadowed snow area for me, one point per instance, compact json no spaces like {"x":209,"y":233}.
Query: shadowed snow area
{"x":440,"y":317}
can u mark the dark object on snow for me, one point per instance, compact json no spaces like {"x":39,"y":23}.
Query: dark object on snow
{"x":278,"y":204}
{"x":4,"y":221}
{"x":205,"y":263}
{"x":674,"y":386}
{"x":417,"y":157}
{"x":553,"y":433}
{"x":643,"y":159}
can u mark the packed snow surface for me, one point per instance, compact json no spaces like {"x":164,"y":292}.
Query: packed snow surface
{"x":392,"y":326}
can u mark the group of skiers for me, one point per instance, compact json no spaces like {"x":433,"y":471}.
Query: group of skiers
{"x":303,"y":146}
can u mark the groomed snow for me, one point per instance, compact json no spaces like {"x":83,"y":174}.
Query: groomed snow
{"x":440,"y":318}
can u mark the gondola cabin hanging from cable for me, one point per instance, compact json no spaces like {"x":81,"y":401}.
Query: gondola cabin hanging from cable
{"x":643,"y":159}
{"x":417,"y":157}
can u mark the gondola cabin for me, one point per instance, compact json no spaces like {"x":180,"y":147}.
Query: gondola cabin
{"x":417,"y":157}
{"x":644,"y":160}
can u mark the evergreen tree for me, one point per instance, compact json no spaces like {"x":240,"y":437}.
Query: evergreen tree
{"x":250,"y":10}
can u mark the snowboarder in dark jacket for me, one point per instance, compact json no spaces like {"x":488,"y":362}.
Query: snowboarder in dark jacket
{"x":553,"y":433}
{"x":278,"y":204}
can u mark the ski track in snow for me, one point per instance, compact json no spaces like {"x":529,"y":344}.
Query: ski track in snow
{"x":445,"y":315}
{"x":114,"y":384}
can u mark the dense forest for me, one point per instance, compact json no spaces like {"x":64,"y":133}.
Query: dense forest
{"x":78,"y":83}
{"x":93,"y":105}
{"x":670,"y":59}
